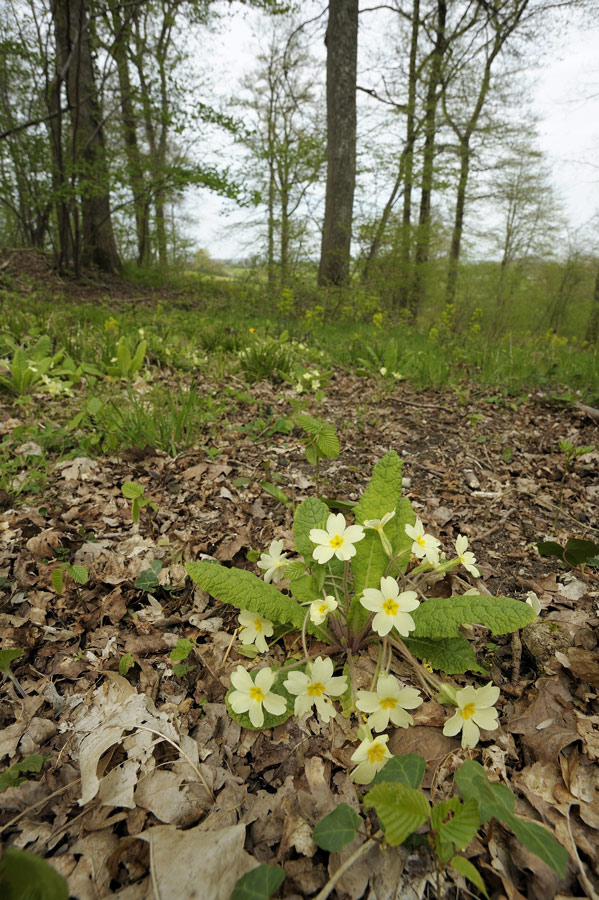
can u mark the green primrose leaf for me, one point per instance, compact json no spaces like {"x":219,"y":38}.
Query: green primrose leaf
{"x":337,"y":829}
{"x":441,"y":617}
{"x":13,"y":776}
{"x":295,"y":570}
{"x":24,"y":875}
{"x":497,"y":801}
{"x":465,"y":868}
{"x":246,"y":591}
{"x":305,"y":589}
{"x":450,"y":655}
{"x":259,"y":883}
{"x":405,"y":769}
{"x":7,"y":656}
{"x":400,"y":810}
{"x":311,"y":513}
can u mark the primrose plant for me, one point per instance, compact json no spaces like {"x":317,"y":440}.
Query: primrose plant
{"x":350,"y":586}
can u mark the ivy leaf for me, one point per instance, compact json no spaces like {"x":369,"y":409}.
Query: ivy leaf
{"x":465,"y":868}
{"x":400,"y":809}
{"x":337,"y":829}
{"x":311,"y":513}
{"x":259,"y":884}
{"x":246,"y":591}
{"x":441,"y":617}
{"x":450,"y":655}
{"x":24,"y":875}
{"x":7,"y":656}
{"x":408,"y":769}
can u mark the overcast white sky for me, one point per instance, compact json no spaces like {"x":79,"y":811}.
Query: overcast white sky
{"x":566,"y":97}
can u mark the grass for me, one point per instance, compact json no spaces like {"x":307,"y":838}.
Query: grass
{"x":203,"y":350}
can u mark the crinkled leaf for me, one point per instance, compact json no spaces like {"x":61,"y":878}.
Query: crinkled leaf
{"x":13,"y":776}
{"x":459,"y":828}
{"x":295,"y":570}
{"x":132,"y":490}
{"x":245,"y":591}
{"x":337,"y":829}
{"x":441,"y":617}
{"x":57,"y":579}
{"x":305,"y":589}
{"x":328,"y":442}
{"x":450,"y":655}
{"x":405,"y":769}
{"x":312,"y":513}
{"x":24,"y":876}
{"x":465,"y":868}
{"x":7,"y":656}
{"x":79,"y":574}
{"x":310,"y":424}
{"x":259,"y":883}
{"x":400,"y":810}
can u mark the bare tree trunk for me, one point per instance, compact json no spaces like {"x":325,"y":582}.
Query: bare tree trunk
{"x":72,"y":28}
{"x":342,"y":55}
{"x":592,"y":334}
{"x":423,"y":231}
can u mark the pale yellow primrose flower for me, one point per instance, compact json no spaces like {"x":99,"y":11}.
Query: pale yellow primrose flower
{"x":315,"y":687}
{"x":392,"y":608}
{"x":337,"y":540}
{"x":255,"y":629}
{"x":250,"y":696}
{"x":371,"y":756}
{"x":475,"y":711}
{"x":466,"y":557}
{"x":425,"y":545}
{"x":319,"y":609}
{"x":273,"y":563}
{"x":388,"y":703}
{"x":378,"y":525}
{"x":534,"y":602}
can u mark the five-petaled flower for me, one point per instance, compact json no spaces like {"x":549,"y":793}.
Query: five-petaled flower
{"x":255,"y":629}
{"x":465,"y":556}
{"x":319,"y":609}
{"x":392,"y":608}
{"x":388,"y":703}
{"x":425,"y":545}
{"x":273,"y":563}
{"x":475,"y":711}
{"x":251,"y":695}
{"x":314,"y":687}
{"x":371,"y":756}
{"x":337,"y":539}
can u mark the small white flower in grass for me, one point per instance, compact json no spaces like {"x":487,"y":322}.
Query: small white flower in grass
{"x":425,"y":545}
{"x":255,"y":629}
{"x":319,"y":609}
{"x":315,"y":384}
{"x":534,"y":602}
{"x":251,"y":695}
{"x":337,"y":539}
{"x":475,"y":711}
{"x":388,"y":703}
{"x":371,"y":756}
{"x":273,"y":563}
{"x":314,"y":687}
{"x":392,"y":608}
{"x":465,"y":556}
{"x":383,"y":371}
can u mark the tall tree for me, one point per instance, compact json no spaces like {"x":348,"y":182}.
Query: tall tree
{"x":342,"y":60}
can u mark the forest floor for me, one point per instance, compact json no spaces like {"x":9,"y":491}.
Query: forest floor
{"x":150,"y":790}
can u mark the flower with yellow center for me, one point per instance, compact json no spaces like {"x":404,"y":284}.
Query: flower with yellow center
{"x":465,"y":556}
{"x":337,"y":539}
{"x":319,"y":609}
{"x":388,"y":703}
{"x":251,"y":695}
{"x":475,"y":710}
{"x":371,"y":756}
{"x":392,"y":608}
{"x":273,"y":563}
{"x":378,"y":525}
{"x":314,"y":687}
{"x":255,"y":628}
{"x":425,"y":545}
